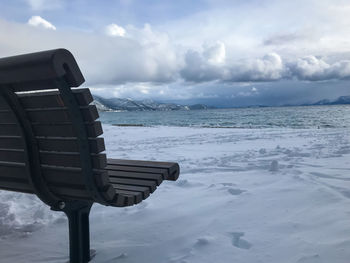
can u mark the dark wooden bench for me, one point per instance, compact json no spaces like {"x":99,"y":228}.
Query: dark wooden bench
{"x":50,"y":145}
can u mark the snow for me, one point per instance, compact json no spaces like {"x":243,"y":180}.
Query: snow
{"x":244,"y":195}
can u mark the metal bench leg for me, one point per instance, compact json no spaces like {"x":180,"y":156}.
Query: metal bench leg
{"x":79,"y":233}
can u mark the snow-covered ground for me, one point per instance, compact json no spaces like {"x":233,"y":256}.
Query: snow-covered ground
{"x":269,"y":195}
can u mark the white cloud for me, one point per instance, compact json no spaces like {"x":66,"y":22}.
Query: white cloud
{"x":268,"y":68}
{"x":215,"y":54}
{"x":145,"y":55}
{"x":316,"y":69}
{"x":201,"y":67}
{"x":271,"y":67}
{"x":143,"y":61}
{"x":115,"y":30}
{"x":40,"y":22}
{"x":206,"y":65}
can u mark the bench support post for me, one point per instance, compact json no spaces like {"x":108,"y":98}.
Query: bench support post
{"x":79,"y":232}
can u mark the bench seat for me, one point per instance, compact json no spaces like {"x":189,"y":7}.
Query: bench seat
{"x":51,"y":145}
{"x":136,"y":180}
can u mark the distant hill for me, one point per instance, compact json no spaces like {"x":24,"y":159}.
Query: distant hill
{"x":117,"y":104}
{"x":339,"y":101}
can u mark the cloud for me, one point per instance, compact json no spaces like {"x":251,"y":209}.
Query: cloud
{"x":144,"y":55}
{"x":149,"y":61}
{"x":215,"y":54}
{"x":133,"y":90}
{"x":199,"y":67}
{"x":316,"y":69}
{"x":115,"y":30}
{"x":210,"y":65}
{"x":38,"y":21}
{"x":268,"y":68}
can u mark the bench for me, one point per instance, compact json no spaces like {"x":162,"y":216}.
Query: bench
{"x":50,"y":145}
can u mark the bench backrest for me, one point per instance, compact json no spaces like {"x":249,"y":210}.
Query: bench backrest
{"x":49,"y":142}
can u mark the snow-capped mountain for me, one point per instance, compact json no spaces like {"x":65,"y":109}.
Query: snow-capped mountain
{"x":115,"y":104}
{"x":340,"y":100}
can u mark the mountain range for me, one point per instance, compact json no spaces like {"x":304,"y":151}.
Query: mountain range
{"x":118,"y":104}
{"x":340,"y":100}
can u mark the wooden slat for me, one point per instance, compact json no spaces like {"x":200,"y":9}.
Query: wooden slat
{"x":136,"y":196}
{"x":137,"y":169}
{"x":19,"y":184}
{"x":144,"y":190}
{"x":17,"y":190}
{"x":93,"y":129}
{"x":71,"y":159}
{"x":65,"y":129}
{"x":65,"y":159}
{"x":173,"y":168}
{"x":109,"y":193}
{"x":11,"y":142}
{"x":135,"y":175}
{"x":12,"y":170}
{"x":83,"y":96}
{"x":79,"y":192}
{"x":139,"y":163}
{"x":9,"y":129}
{"x":130,"y":200}
{"x":6,"y":116}
{"x":15,"y":185}
{"x":12,"y":155}
{"x":118,"y":200}
{"x":3,"y":104}
{"x":147,"y":183}
{"x":44,"y":99}
{"x":74,"y":193}
{"x":33,"y":85}
{"x":60,"y":144}
{"x":56,"y":175}
{"x":60,"y":114}
{"x":49,"y":99}
{"x":59,"y":175}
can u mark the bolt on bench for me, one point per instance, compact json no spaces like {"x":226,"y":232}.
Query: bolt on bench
{"x":50,"y":145}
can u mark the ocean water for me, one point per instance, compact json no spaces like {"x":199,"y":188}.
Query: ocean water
{"x":300,"y":117}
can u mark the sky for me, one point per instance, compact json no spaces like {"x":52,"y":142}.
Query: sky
{"x":217,"y":52}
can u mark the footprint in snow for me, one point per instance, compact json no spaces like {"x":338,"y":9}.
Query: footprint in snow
{"x":203,"y":241}
{"x":118,"y":258}
{"x":234,"y":191}
{"x":307,"y":259}
{"x":238,"y":242}
{"x":227,"y":184}
{"x":274,"y":166}
{"x":187,"y":184}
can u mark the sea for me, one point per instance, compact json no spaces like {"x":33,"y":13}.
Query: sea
{"x":296,"y":117}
